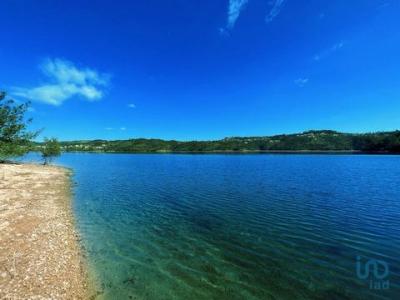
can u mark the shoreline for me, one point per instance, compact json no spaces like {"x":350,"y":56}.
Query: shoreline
{"x":40,"y":253}
{"x":305,"y":152}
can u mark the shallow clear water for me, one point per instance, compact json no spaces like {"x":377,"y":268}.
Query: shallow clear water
{"x":238,"y":226}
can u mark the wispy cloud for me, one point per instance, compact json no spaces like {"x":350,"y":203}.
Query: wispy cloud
{"x":131,"y":105}
{"x":328,"y":51}
{"x":112,"y":128}
{"x":234,"y":10}
{"x":236,"y":7}
{"x":65,"y":81}
{"x":301,"y":82}
{"x":275,"y":10}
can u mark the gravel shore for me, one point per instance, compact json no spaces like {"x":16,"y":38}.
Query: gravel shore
{"x":40,"y":257}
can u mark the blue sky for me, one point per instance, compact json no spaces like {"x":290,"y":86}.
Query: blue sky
{"x":184,"y":69}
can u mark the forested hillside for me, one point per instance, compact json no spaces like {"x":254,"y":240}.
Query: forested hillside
{"x":316,"y":140}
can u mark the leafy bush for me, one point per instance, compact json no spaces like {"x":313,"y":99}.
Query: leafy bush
{"x":50,"y":150}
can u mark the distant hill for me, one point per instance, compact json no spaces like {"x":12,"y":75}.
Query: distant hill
{"x":314,"y":140}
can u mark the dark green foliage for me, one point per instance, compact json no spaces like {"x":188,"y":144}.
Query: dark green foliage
{"x":315,"y":140}
{"x":50,"y":149}
{"x":383,"y":141}
{"x":15,"y":140}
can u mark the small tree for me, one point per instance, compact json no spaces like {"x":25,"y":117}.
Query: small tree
{"x":15,"y":140}
{"x":50,"y":150}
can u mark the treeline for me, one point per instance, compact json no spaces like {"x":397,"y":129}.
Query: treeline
{"x":315,"y":140}
{"x":15,"y":138}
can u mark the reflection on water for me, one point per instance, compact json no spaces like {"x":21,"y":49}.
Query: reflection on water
{"x":238,"y":226}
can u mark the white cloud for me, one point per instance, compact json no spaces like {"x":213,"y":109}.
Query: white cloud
{"x":131,"y":105}
{"x":237,"y":6}
{"x":301,"y":82}
{"x":275,"y":10}
{"x":112,"y":128}
{"x":328,"y":51}
{"x":65,"y":81}
{"x":234,"y":10}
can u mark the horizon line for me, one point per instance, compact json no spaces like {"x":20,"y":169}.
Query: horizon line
{"x":230,"y":137}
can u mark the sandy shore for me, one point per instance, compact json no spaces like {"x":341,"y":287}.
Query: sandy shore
{"x":39,"y":251}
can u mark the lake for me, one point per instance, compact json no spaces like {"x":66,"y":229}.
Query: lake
{"x":173,"y":226}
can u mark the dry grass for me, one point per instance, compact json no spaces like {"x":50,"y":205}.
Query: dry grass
{"x":39,"y":252}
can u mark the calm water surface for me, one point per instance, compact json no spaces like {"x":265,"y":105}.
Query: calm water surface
{"x":238,"y":226}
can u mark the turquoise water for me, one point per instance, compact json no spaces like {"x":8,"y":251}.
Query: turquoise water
{"x":238,"y":226}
